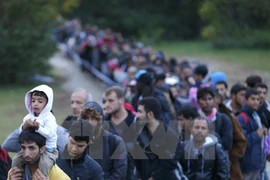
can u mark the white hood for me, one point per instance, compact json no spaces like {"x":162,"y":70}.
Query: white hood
{"x":49,"y":92}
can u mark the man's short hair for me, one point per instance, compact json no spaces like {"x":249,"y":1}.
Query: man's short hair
{"x":203,"y":91}
{"x":88,"y":96}
{"x":201,"y":119}
{"x":261,"y":85}
{"x":188,"y":111}
{"x":236,"y":88}
{"x":251,"y":91}
{"x":223,"y":82}
{"x":81,"y":130}
{"x":252,"y":80}
{"x":201,"y":69}
{"x":184,"y":64}
{"x":118,"y":91}
{"x":151,"y":104}
{"x":29,"y":134}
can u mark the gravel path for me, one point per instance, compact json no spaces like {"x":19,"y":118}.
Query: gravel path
{"x":75,"y":78}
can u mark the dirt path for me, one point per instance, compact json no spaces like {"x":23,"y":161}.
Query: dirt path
{"x":75,"y":78}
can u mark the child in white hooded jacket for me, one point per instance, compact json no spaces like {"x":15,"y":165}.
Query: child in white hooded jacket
{"x":39,"y":102}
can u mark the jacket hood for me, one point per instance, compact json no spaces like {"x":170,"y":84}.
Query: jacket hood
{"x":216,"y":77}
{"x":48,"y":91}
{"x":193,"y":153}
{"x":209,"y":141}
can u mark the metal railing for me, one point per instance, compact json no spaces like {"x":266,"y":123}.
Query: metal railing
{"x":88,"y":66}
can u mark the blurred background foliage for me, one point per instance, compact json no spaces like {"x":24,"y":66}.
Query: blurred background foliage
{"x":26,"y":38}
{"x":236,"y":23}
{"x":162,"y":19}
{"x":26,"y":41}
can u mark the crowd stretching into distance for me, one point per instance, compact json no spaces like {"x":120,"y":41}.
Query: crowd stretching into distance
{"x":166,"y":119}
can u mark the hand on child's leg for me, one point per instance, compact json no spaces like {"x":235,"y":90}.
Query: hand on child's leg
{"x":15,"y":174}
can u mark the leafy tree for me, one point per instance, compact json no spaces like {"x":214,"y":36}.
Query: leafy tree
{"x":26,"y":42}
{"x":151,"y":19}
{"x":237,"y":23}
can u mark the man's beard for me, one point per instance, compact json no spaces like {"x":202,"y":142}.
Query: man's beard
{"x":238,"y":104}
{"x":114,"y":111}
{"x":36,"y":159}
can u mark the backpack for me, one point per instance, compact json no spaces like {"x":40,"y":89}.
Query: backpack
{"x":244,"y":116}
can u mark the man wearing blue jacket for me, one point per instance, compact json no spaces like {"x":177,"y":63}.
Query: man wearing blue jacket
{"x":249,"y":120}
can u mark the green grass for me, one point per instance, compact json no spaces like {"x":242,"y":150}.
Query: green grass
{"x":12,"y":107}
{"x":258,"y":59}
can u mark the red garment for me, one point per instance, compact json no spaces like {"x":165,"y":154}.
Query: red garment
{"x":129,"y":107}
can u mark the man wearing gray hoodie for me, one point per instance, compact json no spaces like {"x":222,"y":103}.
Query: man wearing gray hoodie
{"x":202,"y":157}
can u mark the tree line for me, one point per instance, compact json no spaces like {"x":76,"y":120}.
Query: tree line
{"x":25,"y":26}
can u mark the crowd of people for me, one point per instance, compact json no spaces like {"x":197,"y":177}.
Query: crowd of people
{"x":165,"y":120}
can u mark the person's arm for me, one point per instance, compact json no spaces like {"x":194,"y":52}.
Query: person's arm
{"x":239,"y":140}
{"x":119,"y":157}
{"x":222,"y":164}
{"x":11,"y":143}
{"x":227,"y":132}
{"x":99,"y":174}
{"x":49,"y":130}
{"x":62,"y":138}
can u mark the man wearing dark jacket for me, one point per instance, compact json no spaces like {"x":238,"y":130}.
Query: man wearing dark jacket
{"x":253,"y":161}
{"x":145,"y":88}
{"x":74,"y":160}
{"x":185,"y":117}
{"x":107,"y":149}
{"x":78,"y":98}
{"x":158,"y":144}
{"x":220,"y":124}
{"x":121,"y":122}
{"x":202,"y":157}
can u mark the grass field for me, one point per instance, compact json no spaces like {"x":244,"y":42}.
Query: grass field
{"x":12,"y":107}
{"x":258,"y":59}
